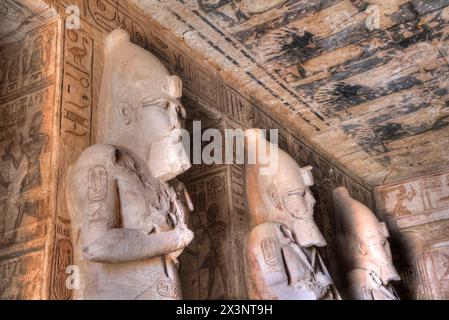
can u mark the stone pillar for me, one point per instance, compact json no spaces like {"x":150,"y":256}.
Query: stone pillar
{"x":212,"y":266}
{"x":30,"y":42}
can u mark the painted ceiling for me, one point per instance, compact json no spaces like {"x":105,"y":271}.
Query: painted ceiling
{"x":365,"y":82}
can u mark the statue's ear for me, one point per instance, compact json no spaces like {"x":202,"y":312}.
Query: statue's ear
{"x":274,"y":197}
{"x":125,"y":110}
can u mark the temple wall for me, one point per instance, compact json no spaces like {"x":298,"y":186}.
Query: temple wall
{"x":417,"y":213}
{"x":70,"y":118}
{"x":58,"y":77}
{"x":29,"y":53}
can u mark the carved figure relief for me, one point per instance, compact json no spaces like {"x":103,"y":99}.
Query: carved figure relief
{"x":28,"y":61}
{"x":427,"y":253}
{"x":282,"y":256}
{"x":364,"y":250}
{"x":20,"y":277}
{"x":209,"y":251}
{"x":214,"y":262}
{"x":23,"y":145}
{"x":128,"y":221}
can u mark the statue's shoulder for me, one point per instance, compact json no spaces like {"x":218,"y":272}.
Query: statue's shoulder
{"x":267,"y":227}
{"x":87,"y":178}
{"x":97,"y":154}
{"x":265,"y":232}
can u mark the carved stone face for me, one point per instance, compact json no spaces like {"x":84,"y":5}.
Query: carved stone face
{"x":284,"y":196}
{"x":299,"y":202}
{"x":143,"y":108}
{"x":378,"y":254}
{"x":363,"y":240}
{"x":157,"y":120}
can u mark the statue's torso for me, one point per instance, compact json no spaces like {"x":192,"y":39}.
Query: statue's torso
{"x":143,"y":204}
{"x":280,"y":268}
{"x":363,"y":286}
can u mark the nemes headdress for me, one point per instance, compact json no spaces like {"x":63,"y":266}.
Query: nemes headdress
{"x":129,"y":74}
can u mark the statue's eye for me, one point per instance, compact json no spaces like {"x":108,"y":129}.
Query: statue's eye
{"x":165,"y":104}
{"x":160,"y":103}
{"x":298,"y":192}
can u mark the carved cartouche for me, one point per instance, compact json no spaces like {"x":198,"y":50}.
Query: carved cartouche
{"x":128,"y":223}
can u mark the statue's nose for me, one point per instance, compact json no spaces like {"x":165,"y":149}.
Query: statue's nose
{"x":389,"y":273}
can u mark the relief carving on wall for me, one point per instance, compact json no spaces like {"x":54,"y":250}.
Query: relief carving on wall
{"x":25,"y":129}
{"x":426,"y":274}
{"x":29,"y":61}
{"x":407,"y":203}
{"x":20,"y":278}
{"x":209,"y":250}
{"x":27,"y":104}
{"x":110,"y":14}
{"x":78,"y":93}
{"x":418,"y":211}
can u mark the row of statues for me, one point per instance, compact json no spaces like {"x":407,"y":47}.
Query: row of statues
{"x":128,"y":211}
{"x":282,"y":248}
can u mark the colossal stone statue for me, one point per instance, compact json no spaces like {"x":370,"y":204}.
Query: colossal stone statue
{"x":364,"y":250}
{"x":128,"y":223}
{"x":283,"y":260}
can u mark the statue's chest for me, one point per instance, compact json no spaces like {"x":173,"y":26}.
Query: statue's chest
{"x":143,"y":203}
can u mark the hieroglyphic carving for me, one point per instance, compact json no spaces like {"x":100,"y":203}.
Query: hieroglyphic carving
{"x":236,"y":106}
{"x":64,"y":259}
{"x":24,"y":137}
{"x":27,"y":103}
{"x":16,"y":16}
{"x":21,"y":277}
{"x":182,"y":66}
{"x":200,"y":84}
{"x":109,"y":15}
{"x":24,"y":64}
{"x":270,"y":252}
{"x":161,"y":48}
{"x":410,"y":199}
{"x":427,"y":267}
{"x":417,"y":210}
{"x":76,"y":124}
{"x":7,"y":272}
{"x":238,"y":191}
{"x":77,"y":88}
{"x":13,"y":19}
{"x":98,"y":183}
{"x":167,"y":289}
{"x":207,"y":86}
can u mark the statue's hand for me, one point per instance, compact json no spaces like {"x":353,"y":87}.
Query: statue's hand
{"x":185,"y":236}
